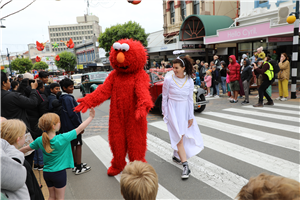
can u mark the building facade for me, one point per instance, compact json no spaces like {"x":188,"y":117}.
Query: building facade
{"x":175,"y":13}
{"x":86,"y":28}
{"x":262,"y":23}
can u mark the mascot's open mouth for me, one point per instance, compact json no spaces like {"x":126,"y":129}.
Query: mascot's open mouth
{"x":126,"y":67}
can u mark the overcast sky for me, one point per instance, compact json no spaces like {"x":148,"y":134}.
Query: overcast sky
{"x":31,"y":24}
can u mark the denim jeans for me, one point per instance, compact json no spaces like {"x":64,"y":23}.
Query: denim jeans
{"x":223,"y":84}
{"x":38,"y":157}
{"x":217,"y":86}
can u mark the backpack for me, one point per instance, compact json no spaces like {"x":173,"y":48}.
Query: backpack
{"x":276,"y":68}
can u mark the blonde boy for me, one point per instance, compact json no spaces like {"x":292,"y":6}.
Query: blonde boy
{"x":139,"y":181}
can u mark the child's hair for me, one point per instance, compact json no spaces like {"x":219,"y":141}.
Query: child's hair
{"x":139,"y":181}
{"x":269,"y":187}
{"x":43,"y":74}
{"x":12,"y":129}
{"x":14,"y":84}
{"x":66,"y":82}
{"x":54,"y":85}
{"x":187,"y":64}
{"x":46,"y":123}
{"x":208,"y":72}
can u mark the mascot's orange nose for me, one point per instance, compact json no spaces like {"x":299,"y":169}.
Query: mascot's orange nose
{"x":120,"y":57}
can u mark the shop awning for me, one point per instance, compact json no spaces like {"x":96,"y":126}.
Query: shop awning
{"x":195,"y":27}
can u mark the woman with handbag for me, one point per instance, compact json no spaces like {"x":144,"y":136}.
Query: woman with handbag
{"x":178,"y":111}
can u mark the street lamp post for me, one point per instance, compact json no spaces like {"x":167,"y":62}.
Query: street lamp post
{"x":295,"y":19}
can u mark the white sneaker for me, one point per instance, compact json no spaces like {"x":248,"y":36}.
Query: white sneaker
{"x":208,"y":95}
{"x":278,"y":98}
{"x":283,"y":99}
{"x":217,"y":96}
{"x":256,"y":97}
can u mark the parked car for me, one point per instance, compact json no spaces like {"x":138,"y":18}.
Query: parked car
{"x":156,"y":84}
{"x":90,"y":81}
{"x":77,"y":80}
{"x":59,"y":78}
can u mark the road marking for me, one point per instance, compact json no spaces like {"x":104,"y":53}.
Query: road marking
{"x":271,"y":163}
{"x":287,"y":105}
{"x":101,"y":149}
{"x":270,"y":109}
{"x":262,"y":114}
{"x":277,"y":140}
{"x":255,"y":122}
{"x":218,"y":178}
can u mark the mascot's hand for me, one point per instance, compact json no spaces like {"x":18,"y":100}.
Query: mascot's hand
{"x":82,"y":106}
{"x":140,"y":113}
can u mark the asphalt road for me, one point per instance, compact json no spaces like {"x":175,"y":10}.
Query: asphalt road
{"x":240,"y":142}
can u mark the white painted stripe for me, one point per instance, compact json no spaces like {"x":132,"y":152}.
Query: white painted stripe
{"x":294,"y":72}
{"x":287,"y":105}
{"x":262,"y":114}
{"x":270,"y":109}
{"x":220,"y":179}
{"x":295,"y":56}
{"x":255,"y":122}
{"x":295,"y":39}
{"x":101,"y":149}
{"x":277,"y":140}
{"x":271,"y":163}
{"x":293,"y":87}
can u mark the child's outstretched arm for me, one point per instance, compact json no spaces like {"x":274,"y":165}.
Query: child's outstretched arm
{"x":25,"y":149}
{"x":84,"y":124}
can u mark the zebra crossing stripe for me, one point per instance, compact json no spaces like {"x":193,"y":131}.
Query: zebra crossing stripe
{"x":271,"y":163}
{"x":287,"y":105}
{"x":218,"y":178}
{"x":101,"y":149}
{"x":255,"y":122}
{"x":262,"y":114}
{"x":270,"y":109}
{"x":277,"y":140}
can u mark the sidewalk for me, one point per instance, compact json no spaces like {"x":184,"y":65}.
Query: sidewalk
{"x":39,"y":177}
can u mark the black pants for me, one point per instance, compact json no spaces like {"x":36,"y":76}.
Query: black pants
{"x":262,"y":91}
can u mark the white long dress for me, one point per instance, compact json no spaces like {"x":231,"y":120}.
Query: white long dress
{"x":178,"y":108}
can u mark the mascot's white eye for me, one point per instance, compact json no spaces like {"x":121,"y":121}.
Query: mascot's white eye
{"x":117,"y":46}
{"x":124,"y":47}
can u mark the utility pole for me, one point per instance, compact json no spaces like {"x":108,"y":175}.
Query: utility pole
{"x":295,"y":61}
{"x":9,"y":62}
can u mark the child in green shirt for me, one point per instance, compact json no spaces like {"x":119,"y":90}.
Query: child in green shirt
{"x":56,"y":151}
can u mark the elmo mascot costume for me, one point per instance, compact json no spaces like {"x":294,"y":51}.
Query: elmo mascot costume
{"x":128,"y":87}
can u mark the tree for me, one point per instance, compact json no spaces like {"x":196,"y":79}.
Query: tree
{"x":21,"y":64}
{"x":67,"y":61}
{"x":120,"y":31}
{"x":40,"y":65}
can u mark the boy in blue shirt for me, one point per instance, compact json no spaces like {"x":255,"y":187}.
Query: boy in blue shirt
{"x":69,"y":121}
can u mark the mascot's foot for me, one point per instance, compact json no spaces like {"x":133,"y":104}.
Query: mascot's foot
{"x":113,"y":171}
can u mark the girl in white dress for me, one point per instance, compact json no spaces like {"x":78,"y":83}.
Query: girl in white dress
{"x":178,"y":111}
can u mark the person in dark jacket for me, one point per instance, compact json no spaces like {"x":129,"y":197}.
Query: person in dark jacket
{"x":43,"y":76}
{"x":246,"y":77}
{"x":54,"y":89}
{"x":216,"y":78}
{"x":14,"y":86}
{"x":267,"y":76}
{"x":71,"y":120}
{"x":223,"y":74}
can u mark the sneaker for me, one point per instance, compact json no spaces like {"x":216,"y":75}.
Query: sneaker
{"x":82,"y":170}
{"x":258,"y":105}
{"x":245,"y":102}
{"x":176,"y":160}
{"x":35,"y":167}
{"x":270,"y":103}
{"x":256,"y":97}
{"x":217,"y":96}
{"x":40,"y":167}
{"x":230,"y":99}
{"x":283,"y":99}
{"x":234,"y":101}
{"x":186,"y":172}
{"x":208,"y":95}
{"x":74,"y":169}
{"x":279,"y":98}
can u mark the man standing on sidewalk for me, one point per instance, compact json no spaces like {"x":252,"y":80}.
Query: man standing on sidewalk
{"x":234,"y":76}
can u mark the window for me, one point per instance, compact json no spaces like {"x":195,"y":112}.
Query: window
{"x":261,"y":4}
{"x":196,"y":7}
{"x":76,"y":27}
{"x":91,"y":26}
{"x":55,"y":29}
{"x":183,"y":10}
{"x":172,"y":10}
{"x":65,"y":28}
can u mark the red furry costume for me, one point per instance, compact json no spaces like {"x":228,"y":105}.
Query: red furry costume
{"x":128,"y":87}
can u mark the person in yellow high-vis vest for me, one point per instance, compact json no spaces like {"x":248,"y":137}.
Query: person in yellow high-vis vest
{"x":266,"y":69}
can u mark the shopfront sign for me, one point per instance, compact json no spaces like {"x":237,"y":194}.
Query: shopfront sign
{"x":193,"y":46}
{"x":248,"y":32}
{"x":280,"y":39}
